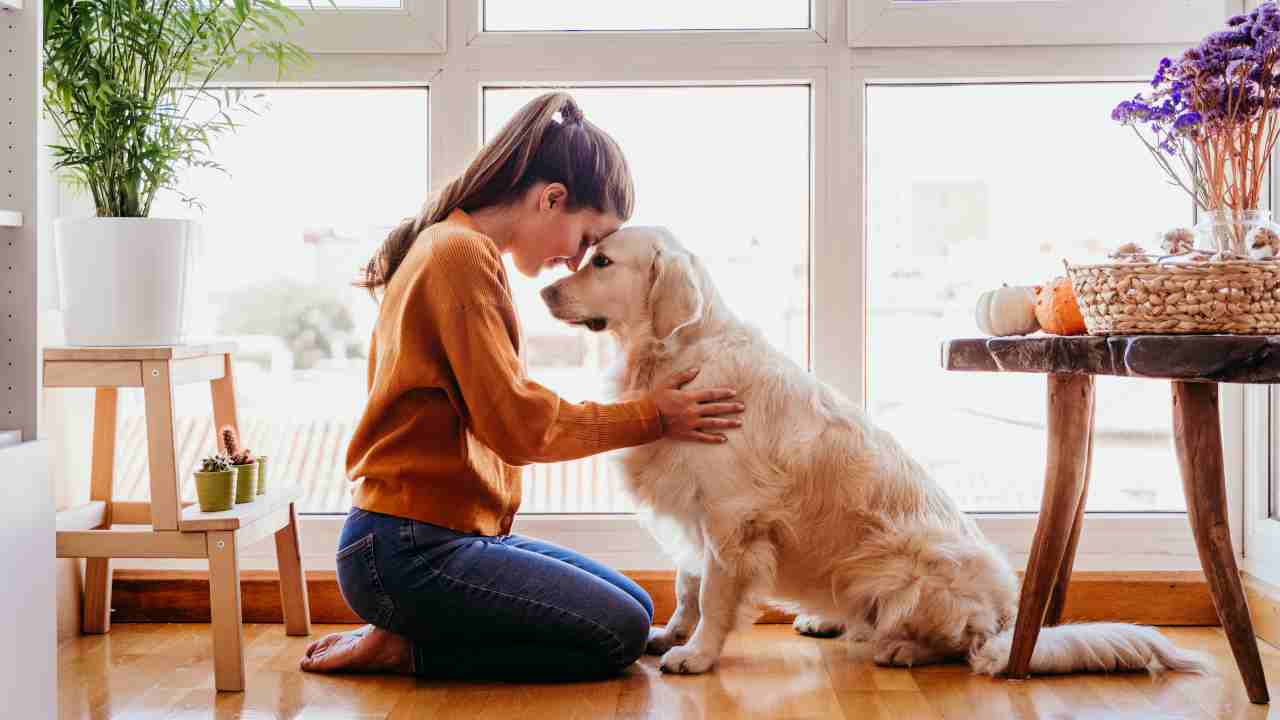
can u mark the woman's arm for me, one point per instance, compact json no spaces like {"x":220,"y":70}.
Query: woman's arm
{"x":518,"y":418}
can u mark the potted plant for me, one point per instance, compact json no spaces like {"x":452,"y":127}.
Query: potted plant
{"x":262,"y":474}
{"x":120,"y":80}
{"x":1210,"y":122}
{"x":215,"y":484}
{"x":245,"y":465}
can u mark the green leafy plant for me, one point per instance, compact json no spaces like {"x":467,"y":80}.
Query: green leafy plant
{"x":231,"y":442}
{"x":215,"y":463}
{"x":121,"y":78}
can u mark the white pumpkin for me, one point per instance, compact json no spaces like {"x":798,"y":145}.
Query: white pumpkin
{"x":1007,"y":311}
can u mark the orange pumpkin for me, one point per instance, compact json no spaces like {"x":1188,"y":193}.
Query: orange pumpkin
{"x":1056,"y":309}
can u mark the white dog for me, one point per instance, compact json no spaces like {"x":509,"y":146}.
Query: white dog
{"x":809,"y":505}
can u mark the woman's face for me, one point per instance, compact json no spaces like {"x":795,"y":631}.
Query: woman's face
{"x":548,"y":234}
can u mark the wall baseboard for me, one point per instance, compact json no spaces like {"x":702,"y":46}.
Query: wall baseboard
{"x":1149,"y":598}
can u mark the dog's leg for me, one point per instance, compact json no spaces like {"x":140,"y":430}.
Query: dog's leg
{"x":899,"y":651}
{"x":683,"y":620}
{"x":818,"y":626}
{"x":721,"y":599}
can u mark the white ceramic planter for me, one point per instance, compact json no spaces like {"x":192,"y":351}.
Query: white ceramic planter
{"x":124,"y":281}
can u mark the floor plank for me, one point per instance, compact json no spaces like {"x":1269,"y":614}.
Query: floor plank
{"x":165,"y":671}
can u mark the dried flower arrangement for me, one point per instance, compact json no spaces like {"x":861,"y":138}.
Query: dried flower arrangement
{"x":1210,"y":121}
{"x":1214,"y":111}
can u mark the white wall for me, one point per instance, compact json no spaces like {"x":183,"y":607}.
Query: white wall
{"x":28,"y":658}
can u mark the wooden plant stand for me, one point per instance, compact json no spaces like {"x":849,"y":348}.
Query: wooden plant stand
{"x":176,"y":529}
{"x":1195,"y":364}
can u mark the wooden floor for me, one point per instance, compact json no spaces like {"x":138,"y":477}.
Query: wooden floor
{"x":164,"y":671}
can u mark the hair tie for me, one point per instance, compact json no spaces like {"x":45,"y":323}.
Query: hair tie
{"x":570,"y":114}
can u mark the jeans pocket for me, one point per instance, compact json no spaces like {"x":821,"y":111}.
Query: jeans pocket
{"x":361,"y":585}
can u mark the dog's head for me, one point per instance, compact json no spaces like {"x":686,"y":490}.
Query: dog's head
{"x":639,"y":280}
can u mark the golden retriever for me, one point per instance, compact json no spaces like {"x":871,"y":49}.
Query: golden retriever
{"x":810,"y":505}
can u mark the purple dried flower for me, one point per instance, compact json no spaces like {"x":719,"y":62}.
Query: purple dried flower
{"x":1187,"y":121}
{"x":1223,"y":86}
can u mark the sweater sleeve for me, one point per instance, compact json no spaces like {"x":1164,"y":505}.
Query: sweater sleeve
{"x":521,"y":420}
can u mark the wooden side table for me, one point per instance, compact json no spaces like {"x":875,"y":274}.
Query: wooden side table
{"x":1195,"y":364}
{"x":176,"y":529}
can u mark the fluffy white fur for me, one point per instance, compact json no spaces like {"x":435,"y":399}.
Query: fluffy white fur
{"x":809,"y":505}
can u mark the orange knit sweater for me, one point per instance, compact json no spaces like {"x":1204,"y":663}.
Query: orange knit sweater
{"x":451,"y":414}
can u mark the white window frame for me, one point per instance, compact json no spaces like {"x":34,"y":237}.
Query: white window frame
{"x":1261,"y":486}
{"x":839,"y":76}
{"x":1261,"y":545}
{"x":417,"y":26}
{"x":940,"y":23}
{"x":606,"y":40}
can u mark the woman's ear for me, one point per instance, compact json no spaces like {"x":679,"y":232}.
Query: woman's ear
{"x":554,"y":196}
{"x":674,"y":298}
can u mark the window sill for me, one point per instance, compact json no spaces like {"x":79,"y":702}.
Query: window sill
{"x":1109,"y":542}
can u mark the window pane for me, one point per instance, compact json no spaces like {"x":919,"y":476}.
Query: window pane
{"x":311,"y":193}
{"x":702,"y":168}
{"x":521,"y":15}
{"x":967,"y":191}
{"x":344,"y":4}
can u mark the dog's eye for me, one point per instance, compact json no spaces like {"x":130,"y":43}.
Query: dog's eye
{"x":600,"y":260}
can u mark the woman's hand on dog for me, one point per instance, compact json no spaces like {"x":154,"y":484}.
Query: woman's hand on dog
{"x":695,"y":414}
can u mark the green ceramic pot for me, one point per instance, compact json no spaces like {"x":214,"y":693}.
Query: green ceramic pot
{"x":215,"y":490}
{"x":262,"y":474}
{"x":246,"y":482}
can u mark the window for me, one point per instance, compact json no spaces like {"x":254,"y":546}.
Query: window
{"x":306,"y":203}
{"x":369,"y":26}
{"x":778,"y":165}
{"x":966,"y":192}
{"x":744,"y":213}
{"x":343,"y":4}
{"x":925,"y":23}
{"x":523,"y":16}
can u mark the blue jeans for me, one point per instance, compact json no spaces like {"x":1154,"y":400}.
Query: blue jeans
{"x":480,"y":607}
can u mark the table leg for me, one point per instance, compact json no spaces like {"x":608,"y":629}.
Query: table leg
{"x":223,"y":391}
{"x":1070,"y":409}
{"x":1058,"y":601}
{"x":293,"y":581}
{"x":1197,"y":435}
{"x":97,"y":571}
{"x":224,"y":604}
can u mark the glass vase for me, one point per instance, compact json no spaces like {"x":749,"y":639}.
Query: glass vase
{"x":1226,"y":231}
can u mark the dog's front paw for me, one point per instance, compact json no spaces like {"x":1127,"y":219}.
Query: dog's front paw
{"x":816,"y":626}
{"x":904,"y":653}
{"x":687,"y":660}
{"x":662,"y":640}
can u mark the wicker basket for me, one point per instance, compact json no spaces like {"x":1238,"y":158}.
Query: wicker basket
{"x":1147,"y":298}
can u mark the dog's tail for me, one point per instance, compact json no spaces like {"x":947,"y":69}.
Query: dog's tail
{"x":1092,"y":647}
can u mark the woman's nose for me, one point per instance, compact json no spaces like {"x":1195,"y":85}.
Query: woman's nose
{"x":573,"y":262}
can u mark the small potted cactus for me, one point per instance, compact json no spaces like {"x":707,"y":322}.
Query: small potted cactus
{"x":215,"y":484}
{"x":245,"y":464}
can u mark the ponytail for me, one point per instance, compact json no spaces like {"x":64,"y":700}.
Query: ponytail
{"x":532,"y":147}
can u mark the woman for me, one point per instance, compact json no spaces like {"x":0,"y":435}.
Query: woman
{"x":425,"y":555}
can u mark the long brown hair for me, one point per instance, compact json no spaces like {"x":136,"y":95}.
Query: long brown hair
{"x":533,"y":146}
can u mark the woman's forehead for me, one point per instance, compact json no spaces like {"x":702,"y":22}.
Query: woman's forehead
{"x":603,"y":224}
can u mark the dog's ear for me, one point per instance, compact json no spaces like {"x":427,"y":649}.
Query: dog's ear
{"x":674,"y":298}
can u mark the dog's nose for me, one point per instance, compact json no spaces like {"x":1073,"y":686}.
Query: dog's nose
{"x":550,"y":294}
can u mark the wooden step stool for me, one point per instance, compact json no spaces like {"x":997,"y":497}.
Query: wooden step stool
{"x":177,"y":529}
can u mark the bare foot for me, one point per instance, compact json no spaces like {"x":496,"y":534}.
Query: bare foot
{"x":365,"y":650}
